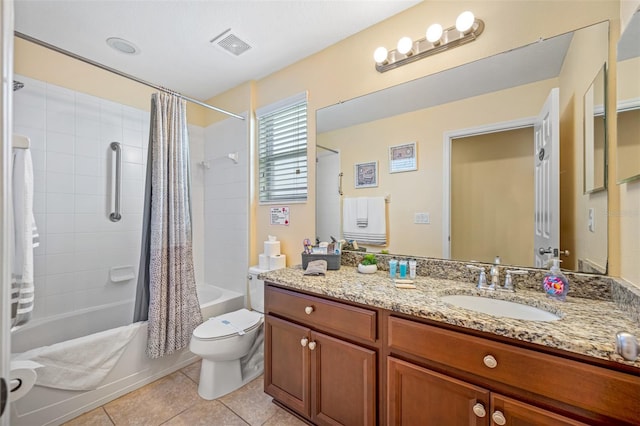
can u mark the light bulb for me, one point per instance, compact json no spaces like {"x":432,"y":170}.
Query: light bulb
{"x":380,"y":55}
{"x":405,"y":44}
{"x":434,"y":33}
{"x":465,"y":21}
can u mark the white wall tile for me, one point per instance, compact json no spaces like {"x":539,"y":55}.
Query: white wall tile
{"x":60,"y":223}
{"x":60,"y":182}
{"x":60,"y":142}
{"x":60,"y":203}
{"x":60,"y":243}
{"x":58,"y":162}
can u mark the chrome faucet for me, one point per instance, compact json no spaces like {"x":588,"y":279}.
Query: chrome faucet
{"x":482,"y":279}
{"x":508,"y":281}
{"x":495,"y":274}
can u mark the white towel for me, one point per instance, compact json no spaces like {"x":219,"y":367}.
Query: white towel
{"x":362,"y":214}
{"x":25,"y":238}
{"x":375,"y":233}
{"x":82,"y":363}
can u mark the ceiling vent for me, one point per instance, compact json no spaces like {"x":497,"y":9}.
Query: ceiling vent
{"x":233,"y":44}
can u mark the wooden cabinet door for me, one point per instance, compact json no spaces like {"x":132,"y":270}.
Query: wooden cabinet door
{"x":517,"y":413}
{"x":417,"y":396}
{"x":286,"y":366}
{"x":343,"y":382}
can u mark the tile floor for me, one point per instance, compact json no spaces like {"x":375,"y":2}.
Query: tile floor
{"x":173,"y":400}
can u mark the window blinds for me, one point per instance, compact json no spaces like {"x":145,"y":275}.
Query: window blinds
{"x":282,"y":150}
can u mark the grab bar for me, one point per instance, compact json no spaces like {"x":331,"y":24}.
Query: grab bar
{"x":116,"y":216}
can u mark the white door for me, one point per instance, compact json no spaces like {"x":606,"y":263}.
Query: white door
{"x":6,"y":64}
{"x":547,"y":181}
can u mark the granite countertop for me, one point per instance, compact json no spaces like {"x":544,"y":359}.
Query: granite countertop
{"x":587,"y":326}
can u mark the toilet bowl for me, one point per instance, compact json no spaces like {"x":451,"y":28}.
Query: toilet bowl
{"x":231,"y":345}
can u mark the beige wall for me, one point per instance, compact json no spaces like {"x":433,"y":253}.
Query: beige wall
{"x":627,"y":209}
{"x":346,"y":70}
{"x":47,"y":65}
{"x":587,"y":53}
{"x":422,"y":190}
{"x":492,"y":197}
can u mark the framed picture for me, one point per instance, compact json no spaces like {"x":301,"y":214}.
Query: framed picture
{"x":366,"y":174}
{"x":403,"y":158}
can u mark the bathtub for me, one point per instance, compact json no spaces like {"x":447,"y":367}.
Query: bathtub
{"x":48,"y":406}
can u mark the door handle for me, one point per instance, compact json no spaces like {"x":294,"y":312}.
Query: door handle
{"x":544,"y":251}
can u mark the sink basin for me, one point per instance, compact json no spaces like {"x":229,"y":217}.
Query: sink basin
{"x":499,"y":308}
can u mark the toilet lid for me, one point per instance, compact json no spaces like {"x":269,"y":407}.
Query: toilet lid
{"x":232,"y":323}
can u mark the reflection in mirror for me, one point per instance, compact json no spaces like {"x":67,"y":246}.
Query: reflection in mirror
{"x":511,"y":88}
{"x":628,"y":105}
{"x":595,"y":134}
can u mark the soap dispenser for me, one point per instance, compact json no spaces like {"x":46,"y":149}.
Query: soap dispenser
{"x":555,"y":283}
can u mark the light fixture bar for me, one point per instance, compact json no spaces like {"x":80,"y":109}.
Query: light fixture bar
{"x":422,"y":48}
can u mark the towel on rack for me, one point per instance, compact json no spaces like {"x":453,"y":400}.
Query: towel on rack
{"x":375,"y":232}
{"x":362,"y":214}
{"x":25,"y":238}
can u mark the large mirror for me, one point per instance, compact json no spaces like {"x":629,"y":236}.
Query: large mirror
{"x":472,"y":195}
{"x":595,"y":134}
{"x":628,"y":102}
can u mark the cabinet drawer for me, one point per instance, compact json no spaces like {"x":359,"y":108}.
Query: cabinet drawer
{"x":322,"y":314}
{"x":592,"y":388}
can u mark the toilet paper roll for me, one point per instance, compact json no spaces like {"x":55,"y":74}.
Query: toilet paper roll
{"x":272,"y":248}
{"x":22,"y":378}
{"x":277,"y":262}
{"x":263,"y":261}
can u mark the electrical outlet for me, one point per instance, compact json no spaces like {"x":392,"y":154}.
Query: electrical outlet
{"x":422,"y":218}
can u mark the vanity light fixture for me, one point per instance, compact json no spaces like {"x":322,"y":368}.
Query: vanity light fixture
{"x":437,"y":39}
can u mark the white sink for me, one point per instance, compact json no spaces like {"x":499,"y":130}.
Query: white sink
{"x":499,"y":308}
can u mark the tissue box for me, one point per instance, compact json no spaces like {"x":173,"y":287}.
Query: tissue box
{"x":333,"y":260}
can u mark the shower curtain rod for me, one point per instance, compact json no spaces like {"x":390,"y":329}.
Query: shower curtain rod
{"x":121,"y":74}
{"x":328,"y":149}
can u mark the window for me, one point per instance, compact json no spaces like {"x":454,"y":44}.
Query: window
{"x":282,"y":150}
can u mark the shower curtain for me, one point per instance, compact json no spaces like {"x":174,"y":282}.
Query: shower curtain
{"x":166,"y":293}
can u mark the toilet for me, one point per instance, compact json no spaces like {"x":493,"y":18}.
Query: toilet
{"x":231,"y":345}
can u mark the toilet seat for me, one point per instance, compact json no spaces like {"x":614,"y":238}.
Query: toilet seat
{"x":227,"y":325}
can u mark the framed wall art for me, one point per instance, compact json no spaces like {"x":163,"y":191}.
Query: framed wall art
{"x":403,"y":158}
{"x":366,"y":174}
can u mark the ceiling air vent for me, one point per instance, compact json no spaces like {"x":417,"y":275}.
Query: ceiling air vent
{"x":234,"y":45}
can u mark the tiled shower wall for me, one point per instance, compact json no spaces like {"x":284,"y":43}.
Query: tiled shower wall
{"x":226,"y":206}
{"x":70,"y":134}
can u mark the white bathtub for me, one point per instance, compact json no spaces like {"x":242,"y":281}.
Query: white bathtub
{"x":48,"y":406}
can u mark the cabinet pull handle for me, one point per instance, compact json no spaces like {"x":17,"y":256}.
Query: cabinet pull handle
{"x":304,"y":341}
{"x":498,"y":418}
{"x":308,"y":310}
{"x":312,"y":345}
{"x":479,"y":410}
{"x":490,"y":361}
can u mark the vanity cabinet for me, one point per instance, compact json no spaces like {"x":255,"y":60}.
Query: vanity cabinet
{"x":419,"y":396}
{"x":463,"y":371}
{"x":313,"y":366}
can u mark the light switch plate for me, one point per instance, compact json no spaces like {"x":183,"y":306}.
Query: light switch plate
{"x":422,"y":218}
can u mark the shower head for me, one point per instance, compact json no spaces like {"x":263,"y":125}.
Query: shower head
{"x":17,"y":85}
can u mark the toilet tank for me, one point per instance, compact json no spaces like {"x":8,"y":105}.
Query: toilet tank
{"x":256,"y":289}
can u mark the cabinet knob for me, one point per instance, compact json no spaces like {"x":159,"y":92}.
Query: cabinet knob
{"x":304,"y":341}
{"x":479,"y":410}
{"x":308,"y":310}
{"x":490,"y":361}
{"x":312,"y":345}
{"x":498,"y":418}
